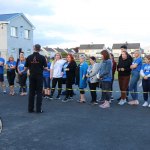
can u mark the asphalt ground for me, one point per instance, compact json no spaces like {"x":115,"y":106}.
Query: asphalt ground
{"x":73,"y":126}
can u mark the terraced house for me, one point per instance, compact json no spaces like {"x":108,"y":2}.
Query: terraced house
{"x":91,"y":49}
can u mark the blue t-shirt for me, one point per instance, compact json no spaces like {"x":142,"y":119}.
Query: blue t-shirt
{"x":21,"y":65}
{"x":137,"y":61}
{"x":64,"y":72}
{"x":46,"y":73}
{"x":146,"y":69}
{"x":11,"y":64}
{"x":2,"y":60}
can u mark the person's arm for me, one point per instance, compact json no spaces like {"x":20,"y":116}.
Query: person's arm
{"x":14,"y":66}
{"x":138,"y":61}
{"x":94,"y":70}
{"x":2,"y":63}
{"x":26,"y":65}
{"x":71,"y":67}
{"x":51,"y":70}
{"x":84,"y":71}
{"x":142,"y":73}
{"x":107,"y":69}
{"x":7,"y":66}
{"x":44,"y":63}
{"x":18,"y":70}
{"x":114,"y":67}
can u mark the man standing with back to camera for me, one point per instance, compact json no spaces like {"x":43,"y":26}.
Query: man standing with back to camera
{"x":36,"y":63}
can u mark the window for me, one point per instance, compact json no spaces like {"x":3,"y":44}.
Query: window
{"x":26,"y":34}
{"x":14,"y":31}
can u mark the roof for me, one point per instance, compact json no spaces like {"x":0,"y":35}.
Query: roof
{"x":9,"y":17}
{"x":49,"y":49}
{"x":59,"y":50}
{"x":129,"y":45}
{"x":70,"y":50}
{"x":91,"y":46}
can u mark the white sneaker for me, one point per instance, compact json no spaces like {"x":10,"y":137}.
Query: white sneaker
{"x":149,"y":105}
{"x":122,"y":102}
{"x":145,"y":104}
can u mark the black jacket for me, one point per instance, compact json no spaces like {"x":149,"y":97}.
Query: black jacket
{"x":71,"y":73}
{"x":126,"y":65}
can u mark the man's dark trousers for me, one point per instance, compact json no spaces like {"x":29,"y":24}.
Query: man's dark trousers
{"x":35,"y":87}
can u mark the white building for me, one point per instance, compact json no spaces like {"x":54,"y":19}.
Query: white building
{"x":16,"y":34}
{"x":131,"y":47}
{"x":91,"y":49}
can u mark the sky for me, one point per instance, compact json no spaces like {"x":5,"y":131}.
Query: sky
{"x":69,"y":23}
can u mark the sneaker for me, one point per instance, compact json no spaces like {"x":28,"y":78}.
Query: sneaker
{"x":122,"y":102}
{"x":149,"y":105}
{"x":70,"y":98}
{"x":105,"y":105}
{"x":119,"y":99}
{"x":94,"y":103}
{"x":111,"y":98}
{"x":58,"y":97}
{"x":65,"y":100}
{"x":145,"y":104}
{"x":4,"y":92}
{"x":41,"y":111}
{"x":50,"y":97}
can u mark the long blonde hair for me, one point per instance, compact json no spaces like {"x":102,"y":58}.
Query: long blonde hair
{"x":55,"y":57}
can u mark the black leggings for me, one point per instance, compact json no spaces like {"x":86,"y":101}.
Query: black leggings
{"x":54,"y":83}
{"x":93,"y":86}
{"x":69,"y":89}
{"x":22,"y":81}
{"x":82,"y":91}
{"x":11,"y":77}
{"x":146,"y":88}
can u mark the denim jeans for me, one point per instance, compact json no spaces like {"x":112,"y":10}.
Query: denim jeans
{"x":133,"y":84}
{"x":106,"y":88}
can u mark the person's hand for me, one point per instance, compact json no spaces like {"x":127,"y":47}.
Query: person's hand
{"x":83,"y":77}
{"x":122,"y":69}
{"x":87,"y":75}
{"x":51,"y":77}
{"x":145,"y":77}
{"x":67,"y":69}
{"x":131,"y":67}
{"x":20,"y":72}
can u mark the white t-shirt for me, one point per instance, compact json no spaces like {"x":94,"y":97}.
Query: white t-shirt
{"x":57,"y":68}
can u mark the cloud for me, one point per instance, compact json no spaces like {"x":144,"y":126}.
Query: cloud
{"x":66,"y":22}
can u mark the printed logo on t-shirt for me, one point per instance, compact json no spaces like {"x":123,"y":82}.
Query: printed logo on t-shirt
{"x":34,"y":61}
{"x":147,"y":68}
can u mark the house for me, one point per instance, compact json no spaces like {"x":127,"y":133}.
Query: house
{"x":131,"y":47}
{"x":70,"y":51}
{"x":91,"y":49}
{"x":16,"y":34}
{"x":60,"y":50}
{"x":50,"y":52}
{"x":147,"y":50}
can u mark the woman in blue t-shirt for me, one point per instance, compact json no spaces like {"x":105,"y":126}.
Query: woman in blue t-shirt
{"x":10,"y":67}
{"x":22,"y":75}
{"x":135,"y":76}
{"x":145,"y":73}
{"x":46,"y":80}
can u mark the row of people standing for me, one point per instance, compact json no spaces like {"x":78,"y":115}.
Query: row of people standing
{"x":11,"y":67}
{"x":129,"y":71}
{"x":128,"y":77}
